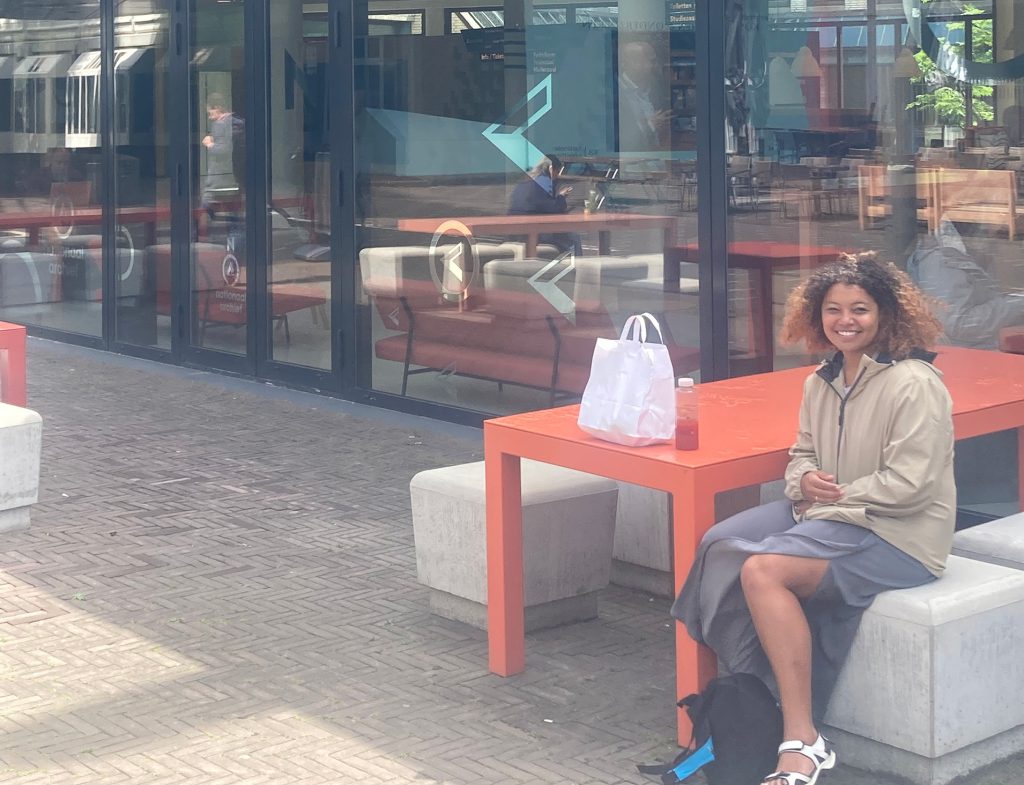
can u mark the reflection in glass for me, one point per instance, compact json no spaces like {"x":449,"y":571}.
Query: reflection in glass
{"x":143,"y":214}
{"x":299,"y":287}
{"x":890,"y":133}
{"x":51,"y":266}
{"x":526,"y":179}
{"x":219,"y":315}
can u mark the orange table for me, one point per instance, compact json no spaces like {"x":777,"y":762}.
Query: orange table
{"x":12,"y":364}
{"x":84,"y":216}
{"x":763,"y":258}
{"x":747,"y":427}
{"x":532,"y":226}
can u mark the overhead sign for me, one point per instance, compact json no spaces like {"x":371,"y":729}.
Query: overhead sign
{"x":682,"y":15}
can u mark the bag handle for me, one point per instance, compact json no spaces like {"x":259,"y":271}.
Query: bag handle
{"x":641,"y":320}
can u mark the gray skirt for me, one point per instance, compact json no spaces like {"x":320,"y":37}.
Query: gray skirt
{"x":861,"y":564}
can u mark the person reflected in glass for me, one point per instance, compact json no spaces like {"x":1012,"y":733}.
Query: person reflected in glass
{"x":643,"y":125}
{"x":972,"y":306}
{"x":778,"y":590}
{"x":975,"y":312}
{"x":541,"y":194}
{"x":223,"y":146}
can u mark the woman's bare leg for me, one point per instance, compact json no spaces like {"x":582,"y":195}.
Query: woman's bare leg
{"x":773,"y":585}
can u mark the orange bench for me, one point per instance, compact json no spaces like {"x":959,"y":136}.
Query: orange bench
{"x":504,"y":331}
{"x":220,"y":290}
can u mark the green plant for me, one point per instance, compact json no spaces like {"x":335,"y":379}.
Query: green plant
{"x":946,"y":96}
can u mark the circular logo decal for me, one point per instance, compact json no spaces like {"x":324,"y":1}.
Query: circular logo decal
{"x":453,"y":267}
{"x":230,"y":269}
{"x":125,"y":243}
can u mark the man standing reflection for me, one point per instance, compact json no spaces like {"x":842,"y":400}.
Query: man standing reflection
{"x":224,"y":151}
{"x":643,"y":126}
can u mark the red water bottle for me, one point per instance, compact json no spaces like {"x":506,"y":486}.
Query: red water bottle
{"x":686,"y":414}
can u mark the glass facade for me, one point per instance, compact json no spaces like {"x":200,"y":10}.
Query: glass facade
{"x":522,"y":172}
{"x":142,"y":200}
{"x":51,"y":197}
{"x":885,"y":126}
{"x":441,"y":206}
{"x":299,"y":184}
{"x":219,"y":254}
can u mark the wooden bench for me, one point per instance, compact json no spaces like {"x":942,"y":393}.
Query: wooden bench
{"x":979,"y":196}
{"x":874,"y":196}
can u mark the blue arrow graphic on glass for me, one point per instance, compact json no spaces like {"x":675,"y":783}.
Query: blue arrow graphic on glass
{"x":548,"y":289}
{"x":514,"y":144}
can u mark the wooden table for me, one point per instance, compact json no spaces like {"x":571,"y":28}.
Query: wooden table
{"x":763,"y":259}
{"x":532,"y":226}
{"x":12,"y":364}
{"x":747,"y":427}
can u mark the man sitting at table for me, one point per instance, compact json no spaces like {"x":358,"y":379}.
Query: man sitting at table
{"x":540,"y":194}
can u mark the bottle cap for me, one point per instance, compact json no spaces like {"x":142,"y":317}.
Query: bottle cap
{"x":685,"y":381}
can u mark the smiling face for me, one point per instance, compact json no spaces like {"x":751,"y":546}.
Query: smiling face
{"x":850,"y":318}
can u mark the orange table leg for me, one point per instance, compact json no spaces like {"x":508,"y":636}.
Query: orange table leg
{"x":505,"y":616}
{"x":12,"y":365}
{"x":693,"y":513}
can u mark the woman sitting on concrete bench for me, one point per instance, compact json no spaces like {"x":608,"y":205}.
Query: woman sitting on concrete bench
{"x":778,"y":590}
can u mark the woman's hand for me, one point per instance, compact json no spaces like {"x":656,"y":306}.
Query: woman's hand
{"x":819,"y":487}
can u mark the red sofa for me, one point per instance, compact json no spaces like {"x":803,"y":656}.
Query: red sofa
{"x":502,"y":328}
{"x":220,"y":294}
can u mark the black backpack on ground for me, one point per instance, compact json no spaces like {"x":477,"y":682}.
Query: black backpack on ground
{"x":737,"y":729}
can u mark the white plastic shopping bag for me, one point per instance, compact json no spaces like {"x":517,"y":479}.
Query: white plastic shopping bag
{"x":630,"y":396}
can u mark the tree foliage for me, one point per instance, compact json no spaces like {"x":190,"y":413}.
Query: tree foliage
{"x":946,"y":95}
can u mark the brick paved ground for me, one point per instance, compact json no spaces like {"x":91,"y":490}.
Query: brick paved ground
{"x":219,"y":587}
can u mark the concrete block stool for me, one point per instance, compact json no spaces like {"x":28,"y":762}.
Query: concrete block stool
{"x":568,"y":525}
{"x":995,"y":542}
{"x":21,"y":436}
{"x":642,"y":553}
{"x":934,"y":685}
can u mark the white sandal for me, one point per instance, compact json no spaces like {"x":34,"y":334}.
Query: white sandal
{"x":820,"y":754}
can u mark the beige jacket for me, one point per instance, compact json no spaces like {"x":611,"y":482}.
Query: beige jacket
{"x":889,"y":443}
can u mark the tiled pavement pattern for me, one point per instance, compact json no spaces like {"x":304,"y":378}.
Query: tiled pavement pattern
{"x":219,"y":587}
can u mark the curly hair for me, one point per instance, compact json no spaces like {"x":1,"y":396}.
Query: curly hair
{"x":905,"y":319}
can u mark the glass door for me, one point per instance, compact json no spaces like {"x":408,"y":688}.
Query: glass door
{"x":255,"y":280}
{"x":525,"y":180}
{"x":142,"y":170}
{"x":218,"y":257}
{"x":51,"y":191}
{"x":298,"y":296}
{"x":897,"y":132}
